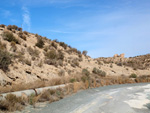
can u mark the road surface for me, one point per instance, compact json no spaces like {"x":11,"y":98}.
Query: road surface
{"x":129,"y":98}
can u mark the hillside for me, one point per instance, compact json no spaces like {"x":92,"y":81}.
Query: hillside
{"x":26,"y":58}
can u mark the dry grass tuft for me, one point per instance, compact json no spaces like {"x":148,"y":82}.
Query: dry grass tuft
{"x":12,"y":103}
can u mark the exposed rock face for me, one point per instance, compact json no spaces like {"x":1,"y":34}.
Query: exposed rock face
{"x":122,"y":55}
{"x":116,"y":55}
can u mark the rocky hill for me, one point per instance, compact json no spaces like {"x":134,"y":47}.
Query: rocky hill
{"x":26,"y":57}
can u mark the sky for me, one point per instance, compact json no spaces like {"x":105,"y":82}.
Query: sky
{"x":102,"y":27}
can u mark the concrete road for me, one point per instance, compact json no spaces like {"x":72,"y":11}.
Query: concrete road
{"x":133,"y":98}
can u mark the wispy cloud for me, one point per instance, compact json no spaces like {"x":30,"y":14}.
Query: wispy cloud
{"x":58,"y":31}
{"x":6,"y":13}
{"x":26,"y":19}
{"x":43,"y":2}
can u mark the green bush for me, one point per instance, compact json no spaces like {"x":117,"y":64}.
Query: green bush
{"x":85,"y":72}
{"x":40,"y":43}
{"x":72,"y":80}
{"x":5,"y":60}
{"x":99,"y":72}
{"x":10,"y":37}
{"x":133,"y":75}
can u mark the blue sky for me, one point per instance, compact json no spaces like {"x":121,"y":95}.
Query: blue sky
{"x":102,"y":27}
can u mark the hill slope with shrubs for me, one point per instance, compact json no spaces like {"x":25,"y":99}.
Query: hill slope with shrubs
{"x":30,"y":58}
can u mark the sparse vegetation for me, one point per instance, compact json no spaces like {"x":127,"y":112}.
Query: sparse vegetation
{"x":63,"y":45}
{"x":5,"y":60}
{"x":12,"y":103}
{"x":2,"y":46}
{"x":10,"y":37}
{"x":99,"y":72}
{"x":33,"y":52}
{"x":61,"y":72}
{"x":13,"y":46}
{"x":53,"y":44}
{"x":67,"y":63}
{"x":2,"y":25}
{"x":21,"y":35}
{"x":85,"y":72}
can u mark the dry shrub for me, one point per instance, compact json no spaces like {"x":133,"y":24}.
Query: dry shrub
{"x":73,"y":50}
{"x":40,"y":42}
{"x":11,"y":103}
{"x":133,"y":75}
{"x":28,"y":62}
{"x":75,"y":63}
{"x":86,"y":84}
{"x":85,"y":72}
{"x":60,"y":62}
{"x":63,"y":45}
{"x":44,"y":96}
{"x":2,"y":46}
{"x":13,"y":46}
{"x":25,"y":32}
{"x":56,"y":81}
{"x":61,"y":72}
{"x":51,"y":54}
{"x":2,"y":25}
{"x":19,"y":29}
{"x":54,"y":45}
{"x":21,"y":35}
{"x":84,"y":53}
{"x":60,"y":55}
{"x":51,"y":62}
{"x":10,"y":37}
{"x":33,"y":52}
{"x":77,"y":86}
{"x":40,"y":64}
{"x":5,"y":60}
{"x":54,"y":58}
{"x":99,"y":72}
